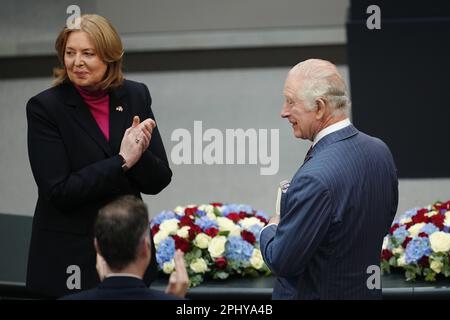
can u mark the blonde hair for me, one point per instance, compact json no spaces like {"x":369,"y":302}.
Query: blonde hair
{"x":107,"y":45}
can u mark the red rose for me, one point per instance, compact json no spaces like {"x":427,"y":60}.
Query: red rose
{"x":216,"y":204}
{"x":386,"y":254}
{"x":422,"y":211}
{"x":186,"y":221}
{"x":438,"y":220}
{"x":423,"y":262}
{"x":212,"y":232}
{"x":221,"y":263}
{"x":262,"y":220}
{"x":248,"y":236}
{"x":234,"y":217}
{"x":406,"y":241}
{"x":243,"y":214}
{"x":190,"y":211}
{"x":181,"y":243}
{"x":423,"y":235}
{"x":193,"y":231}
{"x":155,"y":229}
{"x":409,"y":225}
{"x":420,"y":217}
{"x":393,"y":228}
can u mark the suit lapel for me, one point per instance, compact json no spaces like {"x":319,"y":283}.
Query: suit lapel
{"x":119,"y":116}
{"x":80,"y":112}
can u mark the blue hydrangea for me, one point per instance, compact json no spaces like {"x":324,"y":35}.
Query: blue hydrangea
{"x":429,"y":228}
{"x":446,"y":229}
{"x":162,"y":216}
{"x":416,"y":249}
{"x":229,"y":208}
{"x":262,"y":214}
{"x":201,"y":213}
{"x":238,"y":249}
{"x":166,"y":251}
{"x":400,"y":234}
{"x":256,"y":230}
{"x":206,"y":223}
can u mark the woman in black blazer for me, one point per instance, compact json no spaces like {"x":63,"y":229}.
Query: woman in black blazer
{"x":87,"y":145}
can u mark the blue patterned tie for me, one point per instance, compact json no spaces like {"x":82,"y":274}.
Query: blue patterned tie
{"x":308,"y":155}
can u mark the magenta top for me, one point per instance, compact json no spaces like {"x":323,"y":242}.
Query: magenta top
{"x":98,"y":103}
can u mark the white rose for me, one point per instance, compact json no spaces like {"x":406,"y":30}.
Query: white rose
{"x":416,"y":229}
{"x":236,"y":231}
{"x":159,"y":236}
{"x":198,"y":265}
{"x":216,"y":247}
{"x":385,"y":243}
{"x":211,"y":216}
{"x":246,"y":223}
{"x":405,"y":220}
{"x":207,"y":208}
{"x":179,"y":210}
{"x":256,"y":260}
{"x":168,"y":267}
{"x":202,"y":240}
{"x":440,"y":241}
{"x":170,"y":226}
{"x":398,"y":250}
{"x":225,"y":224}
{"x":401,"y":261}
{"x":447,"y":219}
{"x":183,"y":232}
{"x":436,"y":266}
{"x":431,"y":213}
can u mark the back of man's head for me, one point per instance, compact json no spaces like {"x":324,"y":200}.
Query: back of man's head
{"x":119,"y":230}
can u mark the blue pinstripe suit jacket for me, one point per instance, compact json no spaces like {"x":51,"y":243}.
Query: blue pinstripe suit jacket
{"x":334,"y":216}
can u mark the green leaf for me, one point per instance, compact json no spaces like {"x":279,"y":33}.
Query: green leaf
{"x":224,"y":233}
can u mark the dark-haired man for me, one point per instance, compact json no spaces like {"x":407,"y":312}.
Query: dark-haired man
{"x":122,"y":241}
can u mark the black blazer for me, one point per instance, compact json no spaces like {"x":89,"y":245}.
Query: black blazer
{"x":121,"y":288}
{"x":78,"y":171}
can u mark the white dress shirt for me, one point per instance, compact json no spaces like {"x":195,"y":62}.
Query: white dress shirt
{"x":330,"y":129}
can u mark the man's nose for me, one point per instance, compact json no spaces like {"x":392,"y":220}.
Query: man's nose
{"x":284,"y":111}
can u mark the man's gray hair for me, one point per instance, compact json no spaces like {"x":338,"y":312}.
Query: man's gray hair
{"x":321,"y":79}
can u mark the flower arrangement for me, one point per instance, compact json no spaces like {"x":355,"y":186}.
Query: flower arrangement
{"x":419,"y":243}
{"x":219,"y":240}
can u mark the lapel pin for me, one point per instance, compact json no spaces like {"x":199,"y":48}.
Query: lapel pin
{"x":119,"y":108}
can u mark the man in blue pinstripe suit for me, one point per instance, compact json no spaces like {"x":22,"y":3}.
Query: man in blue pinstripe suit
{"x":341,"y":201}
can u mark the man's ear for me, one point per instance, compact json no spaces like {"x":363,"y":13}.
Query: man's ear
{"x":146,"y":246}
{"x":97,"y":249}
{"x":321,"y":108}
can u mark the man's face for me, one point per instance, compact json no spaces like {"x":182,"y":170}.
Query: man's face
{"x":303,"y":120}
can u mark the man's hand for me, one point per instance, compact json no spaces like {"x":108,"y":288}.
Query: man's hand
{"x":179,"y":280}
{"x":275,"y":219}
